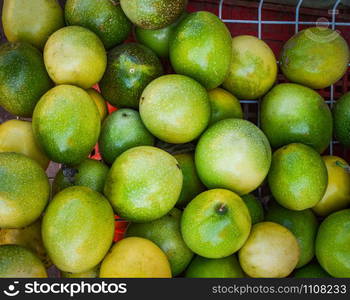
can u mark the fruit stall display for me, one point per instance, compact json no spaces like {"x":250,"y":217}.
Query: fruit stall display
{"x":175,"y":138}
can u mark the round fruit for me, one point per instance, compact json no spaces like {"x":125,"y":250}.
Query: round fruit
{"x":233,"y":154}
{"x":312,"y":270}
{"x":23,"y":78}
{"x":298,"y":177}
{"x":78,"y":229}
{"x":75,"y":55}
{"x":24,"y":190}
{"x":106,"y":18}
{"x":215,"y":224}
{"x":135,"y":257}
{"x":99,"y":101}
{"x":341,"y":114}
{"x":66,"y":124}
{"x":122,"y":130}
{"x":227,"y":267}
{"x":201,"y":48}
{"x":92,"y":273}
{"x":255,"y":208}
{"x":291,"y":113}
{"x":17,"y":136}
{"x":171,"y":118}
{"x":165,"y":233}
{"x":253,"y":68}
{"x":271,"y":251}
{"x":130,"y":67}
{"x":18,"y":262}
{"x":143,"y":184}
{"x":315,"y":57}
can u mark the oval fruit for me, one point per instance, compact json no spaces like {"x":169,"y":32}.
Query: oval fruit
{"x":92,"y":273}
{"x":341,"y":114}
{"x":255,"y":208}
{"x":99,"y":101}
{"x":171,"y":118}
{"x":312,"y":270}
{"x":233,"y":154}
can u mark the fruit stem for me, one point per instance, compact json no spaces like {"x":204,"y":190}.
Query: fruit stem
{"x":222,"y":209}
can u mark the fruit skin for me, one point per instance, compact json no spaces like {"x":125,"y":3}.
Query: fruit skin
{"x":215,"y":224}
{"x":19,"y":262}
{"x":105,"y":18}
{"x":92,"y":273}
{"x":78,"y":229}
{"x":337,"y":195}
{"x":153,"y":14}
{"x":171,"y":118}
{"x":341,"y":115}
{"x":298,"y":177}
{"x":75,"y":55}
{"x":227,"y":267}
{"x":333,"y":244}
{"x":253,"y":68}
{"x":122,"y":130}
{"x":31,"y":21}
{"x":271,"y":251}
{"x":291,"y":113}
{"x":201,"y":48}
{"x":255,"y":208}
{"x":130,"y":67}
{"x":24,"y":190}
{"x":312,"y":270}
{"x":17,"y":136}
{"x":143,"y":184}
{"x":100,"y":103}
{"x":315,"y":57}
{"x":66,"y":124}
{"x":165,"y":233}
{"x":303,"y":224}
{"x":233,"y":154}
{"x":135,"y":257}
{"x":21,"y":66}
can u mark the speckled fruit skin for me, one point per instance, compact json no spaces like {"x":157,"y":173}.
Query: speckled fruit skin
{"x":24,"y":190}
{"x":66,"y":123}
{"x":298,"y":177}
{"x":312,"y":270}
{"x":303,"y":224}
{"x":130,"y":68}
{"x":23,"y":78}
{"x":173,"y":118}
{"x":215,"y":224}
{"x":92,"y":273}
{"x":341,"y":115}
{"x":201,"y":48}
{"x":75,"y":55}
{"x":315,"y":57}
{"x":233,"y":154}
{"x":78,"y":229}
{"x":253,"y":68}
{"x":122,"y":130}
{"x":165,"y":233}
{"x":291,"y":113}
{"x":153,"y":14}
{"x":255,"y":208}
{"x":333,"y":244}
{"x":19,"y":262}
{"x":100,"y":102}
{"x":143,"y":184}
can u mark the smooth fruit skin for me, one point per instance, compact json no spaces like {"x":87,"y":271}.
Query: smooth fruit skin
{"x":23,"y":78}
{"x":298,"y":177}
{"x":337,"y":195}
{"x":315,"y":57}
{"x":75,"y":55}
{"x":19,"y":262}
{"x":255,"y":208}
{"x":312,"y":270}
{"x":271,"y":251}
{"x":104,"y":17}
{"x":78,"y":229}
{"x":31,"y":21}
{"x":66,"y":124}
{"x":122,"y":130}
{"x":24,"y":190}
{"x":171,"y":118}
{"x":143,"y":184}
{"x":100,"y":103}
{"x":165,"y":233}
{"x":253,"y":68}
{"x":215,"y":224}
{"x":130,"y":67}
{"x":333,"y":244}
{"x":233,"y":154}
{"x":291,"y":113}
{"x":92,"y":273}
{"x":341,"y":115}
{"x":17,"y":136}
{"x":201,"y":48}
